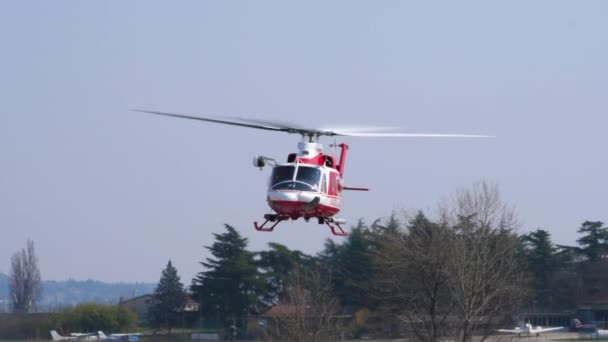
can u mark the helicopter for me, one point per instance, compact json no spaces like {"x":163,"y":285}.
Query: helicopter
{"x":310,"y":183}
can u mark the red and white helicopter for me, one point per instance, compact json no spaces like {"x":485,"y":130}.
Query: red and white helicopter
{"x":310,"y":183}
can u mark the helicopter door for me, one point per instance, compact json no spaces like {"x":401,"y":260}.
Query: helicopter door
{"x":323,"y":183}
{"x":333,"y":184}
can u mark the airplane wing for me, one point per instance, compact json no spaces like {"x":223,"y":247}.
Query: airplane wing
{"x":128,"y":334}
{"x":510,"y":331}
{"x":131,"y":337}
{"x":542,"y":330}
{"x":82,"y":334}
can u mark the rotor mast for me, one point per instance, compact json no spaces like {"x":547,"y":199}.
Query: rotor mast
{"x":311,"y":136}
{"x":309,"y":147}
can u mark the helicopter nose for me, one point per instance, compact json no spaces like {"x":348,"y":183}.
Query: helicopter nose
{"x":290,"y":196}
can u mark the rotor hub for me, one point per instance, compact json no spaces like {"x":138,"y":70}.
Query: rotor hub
{"x":309,"y":149}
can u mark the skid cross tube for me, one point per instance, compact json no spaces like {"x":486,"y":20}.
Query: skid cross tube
{"x":335,"y":227}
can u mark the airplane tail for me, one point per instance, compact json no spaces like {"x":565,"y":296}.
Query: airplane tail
{"x":577,"y":323}
{"x":102,"y":336}
{"x":55,"y":336}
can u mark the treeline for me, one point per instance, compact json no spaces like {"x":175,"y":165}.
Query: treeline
{"x":564,"y":276}
{"x":463,"y":272}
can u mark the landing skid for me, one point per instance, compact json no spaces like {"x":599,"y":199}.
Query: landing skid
{"x":334,"y":226}
{"x":274,"y":219}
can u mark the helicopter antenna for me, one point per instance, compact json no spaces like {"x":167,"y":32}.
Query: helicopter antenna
{"x":334,"y":148}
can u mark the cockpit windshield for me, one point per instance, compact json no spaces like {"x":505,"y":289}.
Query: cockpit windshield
{"x":306,"y":179}
{"x":281,"y":174}
{"x":309,"y":175}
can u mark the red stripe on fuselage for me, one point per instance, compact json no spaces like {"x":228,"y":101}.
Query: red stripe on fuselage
{"x":296,"y":209}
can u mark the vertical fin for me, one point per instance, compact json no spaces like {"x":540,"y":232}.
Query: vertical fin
{"x":55,"y":336}
{"x":344,"y":148}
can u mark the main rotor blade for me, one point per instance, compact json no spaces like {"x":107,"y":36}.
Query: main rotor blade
{"x":411,"y":135}
{"x":377,"y":132}
{"x":221,"y":121}
{"x":281,"y":126}
{"x":272,"y":123}
{"x":358,"y":129}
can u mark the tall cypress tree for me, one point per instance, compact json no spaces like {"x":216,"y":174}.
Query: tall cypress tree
{"x":230,"y":287}
{"x":168,"y":300}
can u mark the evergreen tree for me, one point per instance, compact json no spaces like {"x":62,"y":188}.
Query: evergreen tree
{"x":276,"y":266}
{"x":329,"y":257}
{"x":540,"y":252}
{"x":542,"y":260}
{"x":421,"y":226}
{"x":355,"y":268}
{"x":594,"y":244}
{"x":392,"y":225}
{"x":168,"y":300}
{"x":349,"y":265}
{"x":231,"y":286}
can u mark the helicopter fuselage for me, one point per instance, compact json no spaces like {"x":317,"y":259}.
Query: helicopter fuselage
{"x":303,"y":190}
{"x":307,"y":186}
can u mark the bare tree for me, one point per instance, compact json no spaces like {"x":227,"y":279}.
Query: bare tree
{"x":24,"y":282}
{"x":485,"y":278}
{"x":310,"y":310}
{"x":482,"y":204}
{"x":457,"y":275}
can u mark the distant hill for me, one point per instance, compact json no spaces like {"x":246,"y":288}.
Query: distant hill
{"x":70,"y":292}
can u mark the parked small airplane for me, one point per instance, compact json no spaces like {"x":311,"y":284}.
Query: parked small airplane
{"x":600,"y":334}
{"x":74,"y":336}
{"x":93,"y":336}
{"x":529,"y":330}
{"x":590,"y":330}
{"x":130,"y":337}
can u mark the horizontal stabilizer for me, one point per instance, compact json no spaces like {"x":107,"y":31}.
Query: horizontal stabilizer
{"x":355,"y":189}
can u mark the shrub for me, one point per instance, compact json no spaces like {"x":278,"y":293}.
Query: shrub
{"x":90,"y":317}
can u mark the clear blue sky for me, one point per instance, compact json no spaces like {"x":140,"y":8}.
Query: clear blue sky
{"x":110,"y":194}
